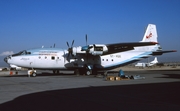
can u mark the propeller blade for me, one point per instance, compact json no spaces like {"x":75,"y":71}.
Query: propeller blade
{"x":67,"y":44}
{"x":94,"y":45}
{"x":72,"y":43}
{"x":86,"y":39}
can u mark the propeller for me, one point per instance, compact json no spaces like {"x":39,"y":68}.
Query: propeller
{"x":87,"y":48}
{"x":70,"y":49}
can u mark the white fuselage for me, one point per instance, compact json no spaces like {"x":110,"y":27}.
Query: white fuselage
{"x":58,"y":59}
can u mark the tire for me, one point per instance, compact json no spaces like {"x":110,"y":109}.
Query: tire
{"x":34,"y":74}
{"x":88,"y":72}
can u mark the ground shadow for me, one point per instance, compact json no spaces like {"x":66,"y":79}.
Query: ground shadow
{"x":41,"y":74}
{"x":172,"y":76}
{"x":143,"y":97}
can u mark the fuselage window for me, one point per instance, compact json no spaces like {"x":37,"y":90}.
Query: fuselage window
{"x":45,"y":57}
{"x":39,"y":57}
{"x":57,"y":57}
{"x":112,"y":60}
{"x":53,"y":58}
{"x":102,"y":59}
{"x":106,"y":59}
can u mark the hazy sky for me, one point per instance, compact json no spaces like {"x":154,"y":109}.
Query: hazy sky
{"x":26,"y":24}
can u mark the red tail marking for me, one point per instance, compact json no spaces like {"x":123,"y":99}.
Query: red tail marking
{"x":149,"y":36}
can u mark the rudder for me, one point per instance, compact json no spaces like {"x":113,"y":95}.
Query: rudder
{"x":150,"y":34}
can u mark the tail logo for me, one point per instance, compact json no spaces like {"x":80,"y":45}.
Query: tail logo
{"x":149,"y":36}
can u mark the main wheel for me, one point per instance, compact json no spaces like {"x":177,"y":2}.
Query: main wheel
{"x":88,"y":72}
{"x":34,"y":74}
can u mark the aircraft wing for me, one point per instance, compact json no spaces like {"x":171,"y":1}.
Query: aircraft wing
{"x":121,"y":47}
{"x":161,"y":52}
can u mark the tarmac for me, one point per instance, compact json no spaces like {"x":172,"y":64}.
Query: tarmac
{"x":67,"y":92}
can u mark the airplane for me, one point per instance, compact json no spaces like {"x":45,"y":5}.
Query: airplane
{"x":88,"y":59}
{"x":140,"y":64}
{"x":155,"y":61}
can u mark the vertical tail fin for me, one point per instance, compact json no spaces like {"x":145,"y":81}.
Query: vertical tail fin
{"x":155,"y":60}
{"x":150,"y":34}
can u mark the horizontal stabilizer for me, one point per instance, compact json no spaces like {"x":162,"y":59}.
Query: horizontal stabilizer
{"x":161,"y":52}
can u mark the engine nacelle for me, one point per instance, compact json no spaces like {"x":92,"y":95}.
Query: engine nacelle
{"x":95,"y":49}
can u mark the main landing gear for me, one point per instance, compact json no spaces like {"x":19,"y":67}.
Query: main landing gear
{"x":82,"y":72}
{"x":85,"y":71}
{"x":32,"y":73}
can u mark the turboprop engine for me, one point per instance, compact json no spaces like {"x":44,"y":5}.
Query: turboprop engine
{"x":95,"y":49}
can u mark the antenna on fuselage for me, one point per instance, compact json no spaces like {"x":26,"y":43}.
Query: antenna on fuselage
{"x":86,"y":39}
{"x":54,"y":45}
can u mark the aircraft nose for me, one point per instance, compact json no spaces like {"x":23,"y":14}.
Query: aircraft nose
{"x":6,"y":59}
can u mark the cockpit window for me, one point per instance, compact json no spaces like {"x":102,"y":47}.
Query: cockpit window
{"x":24,"y":52}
